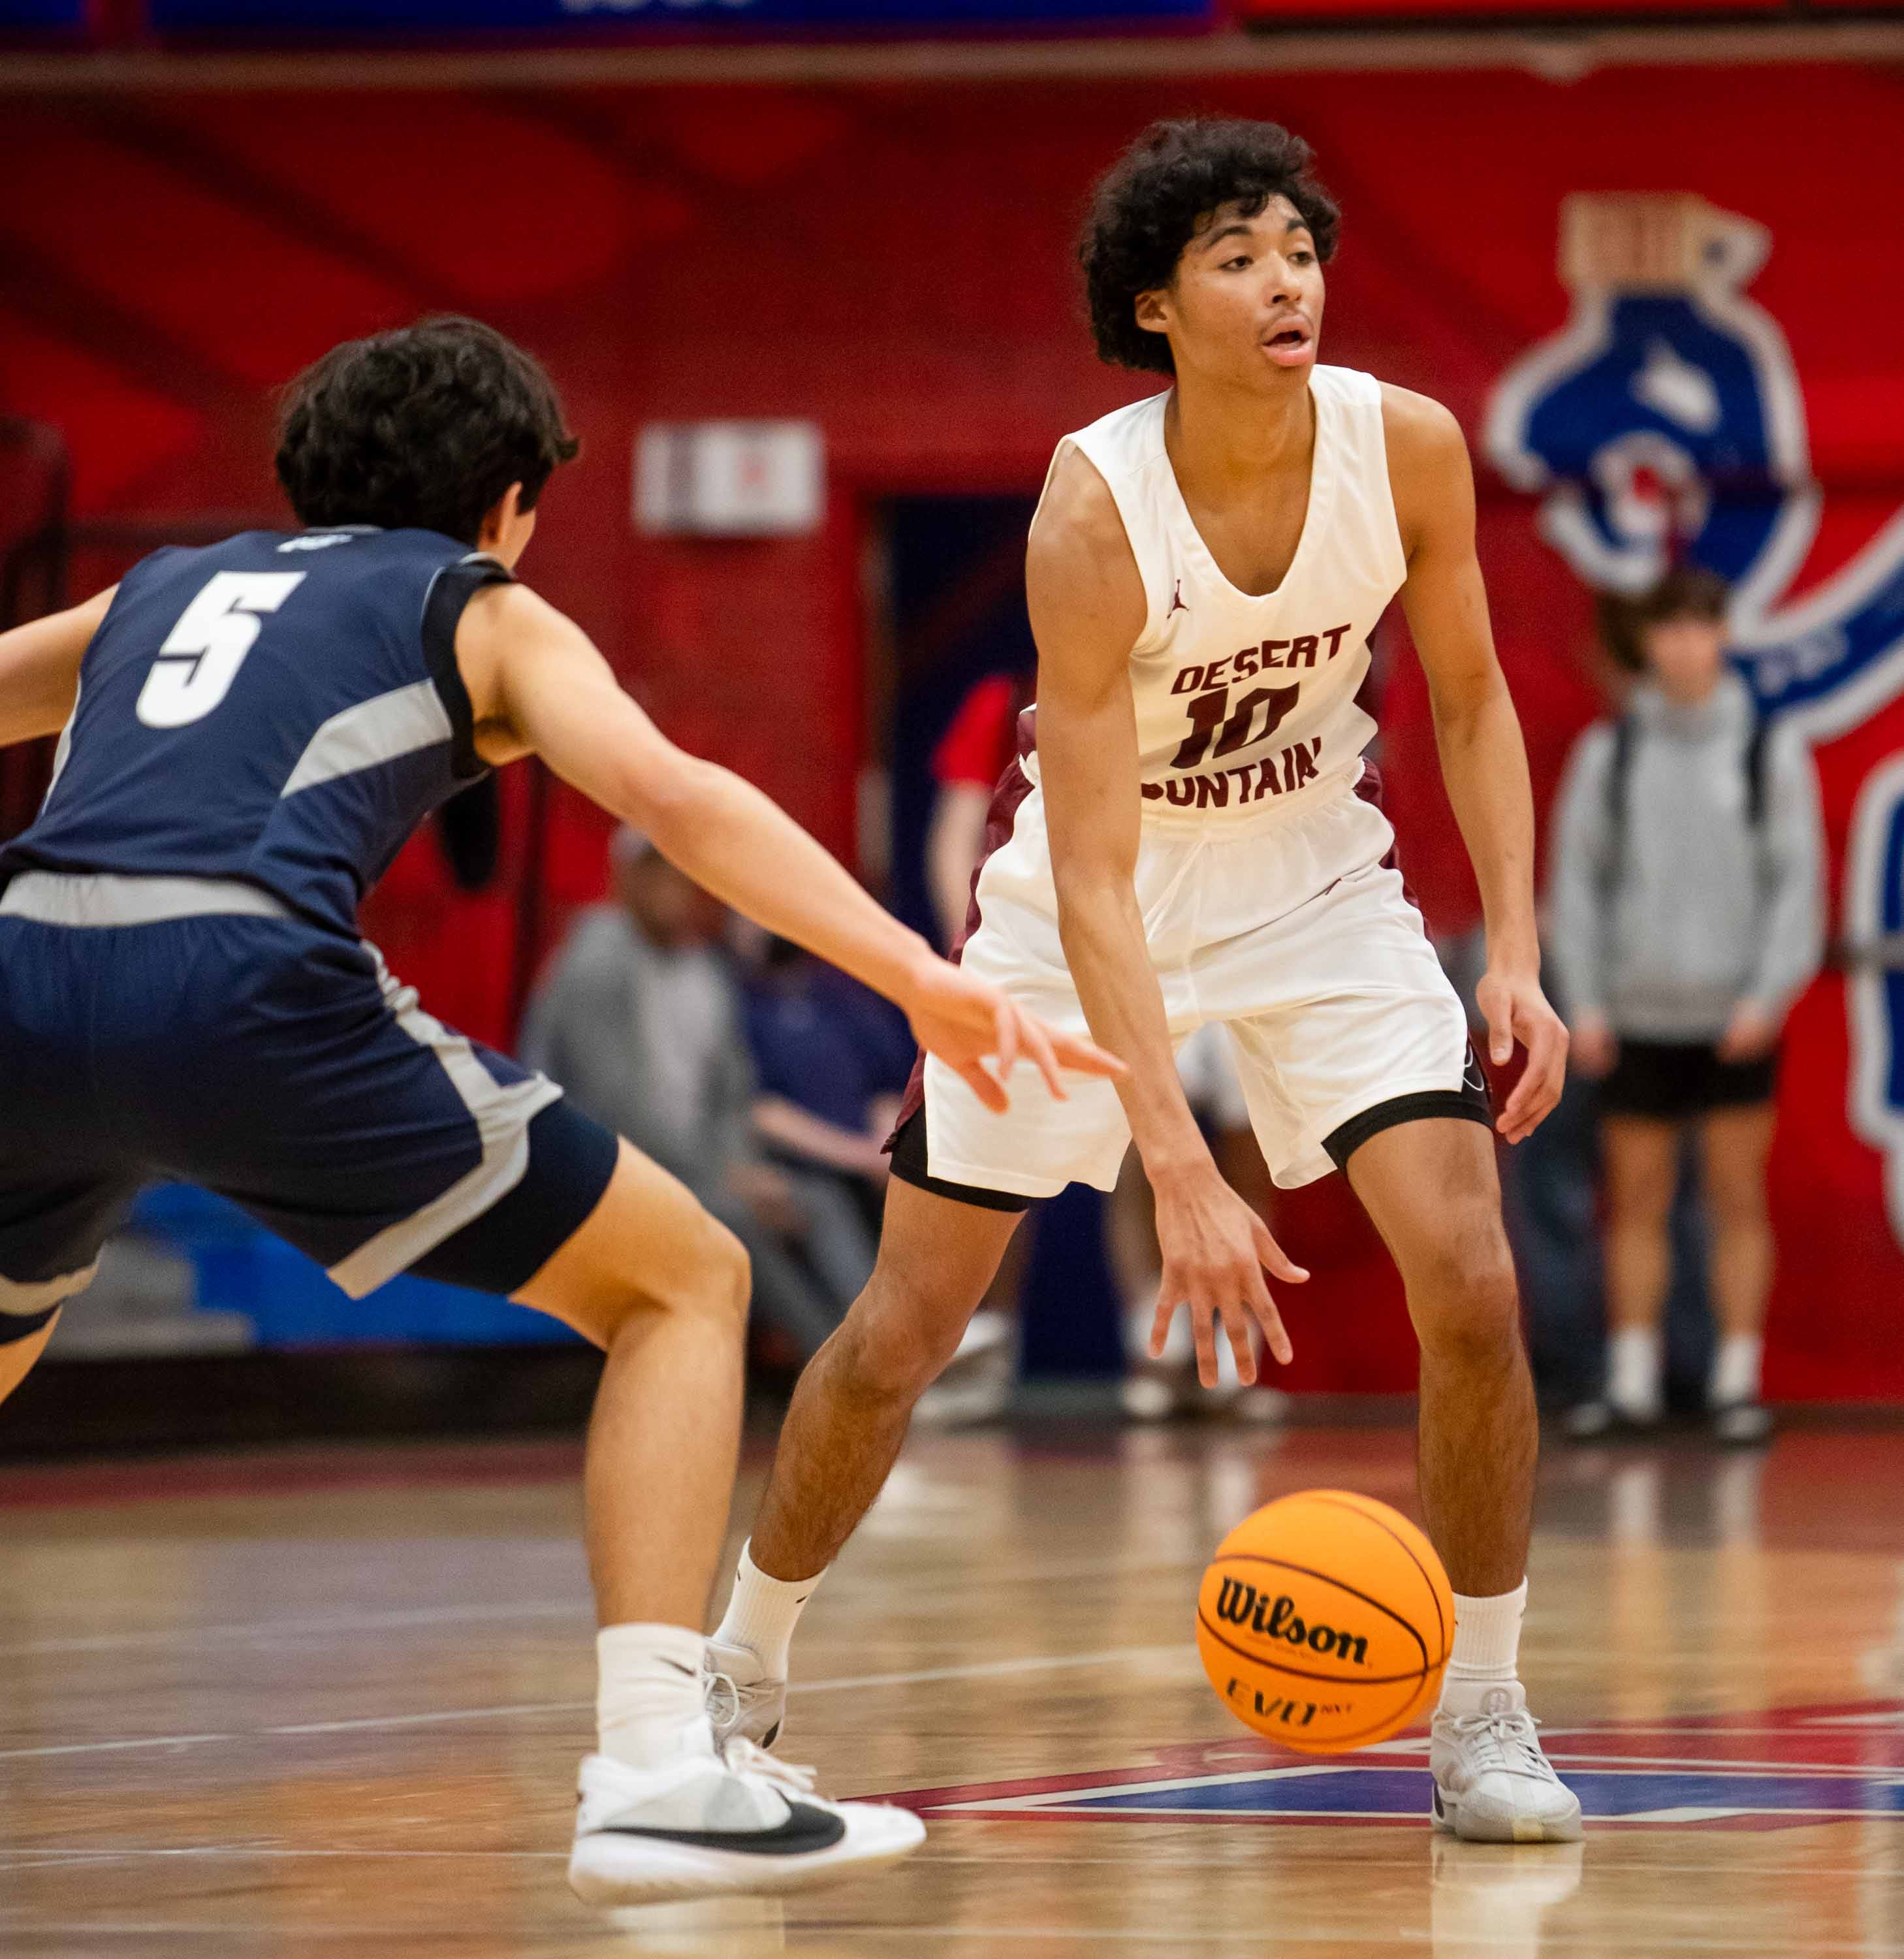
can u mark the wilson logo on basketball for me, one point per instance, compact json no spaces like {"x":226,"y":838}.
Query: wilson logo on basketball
{"x":1277,"y":1619}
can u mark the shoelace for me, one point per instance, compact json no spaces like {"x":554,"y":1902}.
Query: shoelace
{"x":789,"y":1778}
{"x":1507,"y":1742}
{"x":723,"y":1700}
{"x":727,"y":1700}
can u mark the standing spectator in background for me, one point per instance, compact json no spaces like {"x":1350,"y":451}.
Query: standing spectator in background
{"x":831,"y":1061}
{"x":639,"y":1018}
{"x":1687,"y":918}
{"x":972,"y":755}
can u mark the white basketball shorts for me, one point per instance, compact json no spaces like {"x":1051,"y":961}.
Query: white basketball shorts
{"x":1294,"y":932}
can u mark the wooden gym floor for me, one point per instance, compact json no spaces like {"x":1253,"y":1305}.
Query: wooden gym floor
{"x":330,"y":1702}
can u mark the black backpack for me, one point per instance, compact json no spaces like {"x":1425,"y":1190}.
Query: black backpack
{"x":1626,"y":734}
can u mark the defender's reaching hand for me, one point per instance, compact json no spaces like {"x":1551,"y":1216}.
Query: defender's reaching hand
{"x":1216,"y":1250}
{"x":965,"y":1021}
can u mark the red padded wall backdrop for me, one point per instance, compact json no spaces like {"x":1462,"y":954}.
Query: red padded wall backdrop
{"x":896,"y":264}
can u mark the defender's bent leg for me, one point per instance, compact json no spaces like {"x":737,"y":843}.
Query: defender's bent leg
{"x":658,"y":1283}
{"x":662,"y":1287}
{"x":1430,"y":1188}
{"x":850,"y":1411}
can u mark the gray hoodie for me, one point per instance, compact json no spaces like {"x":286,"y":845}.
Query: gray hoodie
{"x":1704,"y":910}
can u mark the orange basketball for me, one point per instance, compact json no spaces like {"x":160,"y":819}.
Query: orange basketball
{"x":1324,"y":1621}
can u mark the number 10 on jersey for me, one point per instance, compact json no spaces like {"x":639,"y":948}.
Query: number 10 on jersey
{"x":1212,"y":719}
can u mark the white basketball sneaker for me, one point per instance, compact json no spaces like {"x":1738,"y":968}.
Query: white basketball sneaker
{"x":737,"y":1821}
{"x":741,"y":1699}
{"x":1494,"y":1784}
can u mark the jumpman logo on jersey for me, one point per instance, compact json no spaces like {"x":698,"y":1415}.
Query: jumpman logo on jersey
{"x":1176,"y":601}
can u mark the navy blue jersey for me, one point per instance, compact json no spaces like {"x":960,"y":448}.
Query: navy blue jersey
{"x":282,"y":709}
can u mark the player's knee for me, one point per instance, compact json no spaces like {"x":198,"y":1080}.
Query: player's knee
{"x":898,"y":1337}
{"x":710,"y":1286}
{"x":724,"y":1279}
{"x":1467,"y":1300}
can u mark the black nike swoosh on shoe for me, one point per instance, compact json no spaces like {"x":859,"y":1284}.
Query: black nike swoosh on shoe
{"x":806,"y":1829}
{"x":692,"y":1673}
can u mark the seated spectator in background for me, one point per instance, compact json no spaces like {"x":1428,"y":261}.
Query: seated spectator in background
{"x":1687,"y":876}
{"x":830,"y":1060}
{"x":640,"y":1021}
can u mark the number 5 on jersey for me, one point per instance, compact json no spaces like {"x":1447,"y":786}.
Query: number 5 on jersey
{"x":202,"y":654}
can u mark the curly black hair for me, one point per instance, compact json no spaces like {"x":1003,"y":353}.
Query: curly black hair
{"x":421,"y":428}
{"x":1153,"y":200}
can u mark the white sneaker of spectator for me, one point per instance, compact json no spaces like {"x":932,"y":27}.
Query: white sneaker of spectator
{"x":976,"y":1386}
{"x":1156,"y":1389}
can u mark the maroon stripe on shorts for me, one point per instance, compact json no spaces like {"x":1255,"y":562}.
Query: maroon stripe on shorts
{"x":1014,"y":786}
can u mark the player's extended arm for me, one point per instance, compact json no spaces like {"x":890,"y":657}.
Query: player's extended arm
{"x":536,"y":682}
{"x":1484,"y":761}
{"x":39,"y":670}
{"x":1087,"y":608}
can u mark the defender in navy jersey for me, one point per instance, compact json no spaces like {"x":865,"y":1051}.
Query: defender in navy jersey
{"x":250,"y":733}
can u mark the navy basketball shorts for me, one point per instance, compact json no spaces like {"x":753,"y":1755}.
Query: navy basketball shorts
{"x":278,"y":1064}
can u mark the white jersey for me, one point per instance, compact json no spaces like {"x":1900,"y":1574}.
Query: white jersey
{"x":1242,"y":702}
{"x":1265,"y":880}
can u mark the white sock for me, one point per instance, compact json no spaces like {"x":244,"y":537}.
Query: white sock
{"x":1633,"y":1370}
{"x":1735,"y":1370}
{"x":1487,"y":1648}
{"x":650,"y":1707}
{"x":762,"y":1612}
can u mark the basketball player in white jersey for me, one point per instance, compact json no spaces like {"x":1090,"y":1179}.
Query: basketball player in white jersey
{"x":1195,"y":837}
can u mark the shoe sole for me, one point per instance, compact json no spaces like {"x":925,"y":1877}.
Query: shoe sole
{"x":607,"y":1871}
{"x":1444,"y":1811}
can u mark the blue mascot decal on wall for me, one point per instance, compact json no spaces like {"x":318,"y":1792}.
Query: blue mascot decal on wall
{"x":1665,"y":419}
{"x":1666,"y":415}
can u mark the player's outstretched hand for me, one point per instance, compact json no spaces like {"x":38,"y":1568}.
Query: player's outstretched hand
{"x":1515,"y":1009}
{"x":966,"y":1022}
{"x":1216,"y":1250}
